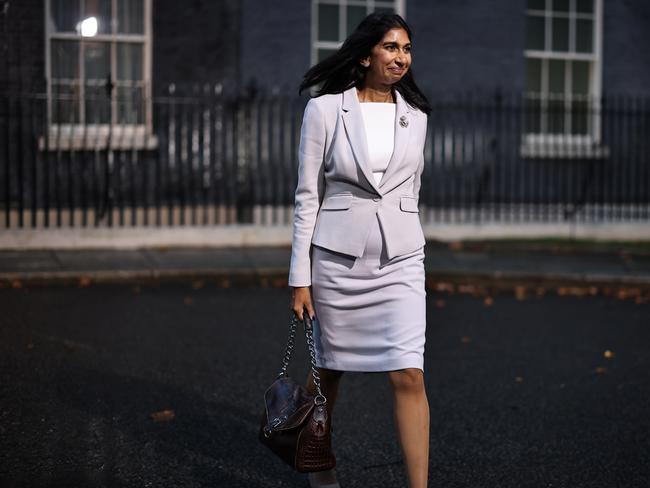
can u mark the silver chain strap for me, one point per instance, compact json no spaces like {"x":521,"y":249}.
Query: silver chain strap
{"x":309,"y":334}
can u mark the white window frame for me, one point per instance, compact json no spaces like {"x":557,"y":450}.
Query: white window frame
{"x":544,"y":144}
{"x":92,"y":135}
{"x":398,"y":5}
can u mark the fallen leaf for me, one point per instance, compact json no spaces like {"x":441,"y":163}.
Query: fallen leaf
{"x":466,"y":289}
{"x":163,"y":416}
{"x":71,"y":346}
{"x":479,"y":291}
{"x":443,"y":286}
{"x":280,"y":282}
{"x":520,"y":292}
{"x":577,"y":291}
{"x":608,"y":354}
{"x":623,"y":293}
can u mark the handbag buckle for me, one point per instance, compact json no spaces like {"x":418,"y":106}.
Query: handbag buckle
{"x":278,"y":420}
{"x":268,"y":429}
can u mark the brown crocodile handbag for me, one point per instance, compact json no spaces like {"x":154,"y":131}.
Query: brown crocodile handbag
{"x":295,"y":424}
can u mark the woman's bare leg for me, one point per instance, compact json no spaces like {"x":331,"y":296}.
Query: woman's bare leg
{"x":411,"y":413}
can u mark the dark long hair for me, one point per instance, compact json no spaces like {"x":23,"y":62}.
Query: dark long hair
{"x":341,"y":70}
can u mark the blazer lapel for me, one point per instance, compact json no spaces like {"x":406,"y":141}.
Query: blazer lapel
{"x":403,"y":124}
{"x":354,"y":127}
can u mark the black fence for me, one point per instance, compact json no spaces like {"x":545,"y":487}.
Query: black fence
{"x":205,"y":159}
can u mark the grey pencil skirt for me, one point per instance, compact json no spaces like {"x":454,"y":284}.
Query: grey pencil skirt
{"x":370,"y":311}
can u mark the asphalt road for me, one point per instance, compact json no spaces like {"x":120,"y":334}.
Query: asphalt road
{"x":521,"y":391}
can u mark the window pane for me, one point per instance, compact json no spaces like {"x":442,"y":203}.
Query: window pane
{"x":130,"y":106}
{"x":560,"y":5}
{"x":556,"y":77}
{"x":560,"y":28}
{"x":130,"y":17}
{"x":323,"y":53}
{"x":65,"y":59}
{"x":355,"y":15}
{"x":101,"y":11}
{"x":64,"y":15}
{"x":579,"y":117}
{"x":533,"y":115}
{"x":129,"y":61}
{"x":97,"y":60}
{"x":536,"y":4}
{"x":98,"y":104}
{"x":585,"y":6}
{"x":555,"y":117}
{"x":535,"y":32}
{"x":328,"y":22}
{"x":580,"y":78}
{"x":65,"y":103}
{"x":534,"y":75}
{"x":584,"y":36}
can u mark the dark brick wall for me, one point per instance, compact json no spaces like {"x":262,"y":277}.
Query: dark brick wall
{"x":458,"y":44}
{"x":470,"y":44}
{"x":464,"y":45}
{"x":196,"y":41}
{"x":275,"y":43}
{"x":22,"y":58}
{"x":626,"y":47}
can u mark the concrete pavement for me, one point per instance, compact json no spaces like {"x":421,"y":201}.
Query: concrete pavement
{"x":501,"y":264}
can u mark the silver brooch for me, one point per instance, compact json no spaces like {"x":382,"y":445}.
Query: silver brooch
{"x":403,"y":121}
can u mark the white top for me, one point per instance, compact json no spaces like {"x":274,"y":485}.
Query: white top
{"x":379,"y":121}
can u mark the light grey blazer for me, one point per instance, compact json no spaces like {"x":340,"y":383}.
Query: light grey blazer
{"x":336,"y":196}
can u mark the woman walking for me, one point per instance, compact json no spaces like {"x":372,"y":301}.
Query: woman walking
{"x":357,"y":261}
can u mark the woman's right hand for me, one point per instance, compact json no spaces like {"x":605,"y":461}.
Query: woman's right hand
{"x":301,"y":300}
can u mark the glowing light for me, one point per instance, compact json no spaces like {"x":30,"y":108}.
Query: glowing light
{"x":88,"y":27}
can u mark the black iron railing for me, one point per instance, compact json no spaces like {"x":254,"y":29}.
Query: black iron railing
{"x":206,"y":159}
